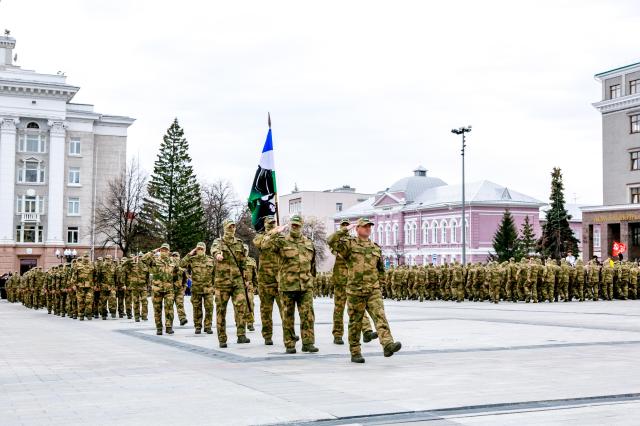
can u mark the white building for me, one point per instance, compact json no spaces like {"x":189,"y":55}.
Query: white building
{"x":56,"y":159}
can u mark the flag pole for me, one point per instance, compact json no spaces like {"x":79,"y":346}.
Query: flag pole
{"x":276,"y":195}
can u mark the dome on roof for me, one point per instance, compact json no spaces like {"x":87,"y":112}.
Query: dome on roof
{"x":413,"y":186}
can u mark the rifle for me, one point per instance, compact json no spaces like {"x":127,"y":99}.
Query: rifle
{"x":244,"y":284}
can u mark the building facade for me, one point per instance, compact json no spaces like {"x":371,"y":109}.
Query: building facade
{"x":618,"y":219}
{"x":56,"y":159}
{"x":418,"y":219}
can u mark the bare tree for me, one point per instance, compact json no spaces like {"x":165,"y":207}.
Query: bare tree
{"x":218,"y":203}
{"x":117,"y":213}
{"x":316,"y":231}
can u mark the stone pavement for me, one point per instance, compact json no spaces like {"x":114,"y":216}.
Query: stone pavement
{"x":461,"y":364}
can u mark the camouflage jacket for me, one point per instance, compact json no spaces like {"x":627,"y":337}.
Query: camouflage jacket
{"x":267,"y":262}
{"x":251,"y":273}
{"x":83,"y":274}
{"x":227,"y":273}
{"x":297,"y":260}
{"x":200,"y":267}
{"x":163,"y":271}
{"x":364,"y":260}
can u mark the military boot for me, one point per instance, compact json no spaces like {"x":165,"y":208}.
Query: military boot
{"x":243,"y":339}
{"x":268,"y":342}
{"x":159,"y":332}
{"x":198,"y":331}
{"x":250,"y":327}
{"x":223,"y":344}
{"x":208,"y":331}
{"x":338,"y":340}
{"x":368,"y":336}
{"x":357,"y":358}
{"x":309,"y":348}
{"x":392,"y":348}
{"x":291,"y":350}
{"x":183,"y":321}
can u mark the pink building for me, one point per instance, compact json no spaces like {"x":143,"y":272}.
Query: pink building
{"x":418,"y":218}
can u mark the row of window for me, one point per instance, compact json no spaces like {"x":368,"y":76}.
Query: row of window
{"x":28,"y":233}
{"x":615,"y":90}
{"x":35,"y":204}
{"x":37,"y":143}
{"x":434,"y":233}
{"x":33,"y":170}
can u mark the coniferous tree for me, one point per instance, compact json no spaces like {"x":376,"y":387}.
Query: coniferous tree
{"x":527,"y":239}
{"x":557,"y":237}
{"x":505,"y":240}
{"x":174,"y":208}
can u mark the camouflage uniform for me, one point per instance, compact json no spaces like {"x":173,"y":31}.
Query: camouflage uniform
{"x":137,"y":285}
{"x":83,"y":275}
{"x":251,"y":280}
{"x":107,"y":283}
{"x":607,"y":281}
{"x":179,"y":288}
{"x":200,"y":267}
{"x":267,"y":281}
{"x":229,"y":282}
{"x":163,"y":270}
{"x":297,"y":260}
{"x":366,"y":272}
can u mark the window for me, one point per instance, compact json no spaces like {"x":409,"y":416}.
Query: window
{"x":72,"y":235}
{"x":635,"y":160}
{"x":635,"y":195}
{"x":74,"y":146}
{"x":635,"y":123}
{"x":73,"y":207}
{"x":434,"y":232}
{"x":74,"y":176}
{"x":32,"y":141}
{"x":634,"y":87}
{"x":33,"y":125}
{"x":295,"y":206}
{"x":596,"y":238}
{"x":29,"y":204}
{"x":635,"y":235}
{"x":31,"y":171}
{"x":387,"y":234}
{"x":27,"y":233}
{"x":407,"y":234}
{"x":614,"y":91}
{"x":395,"y":234}
{"x":443,"y":230}
{"x":425,"y":233}
{"x":454,"y":225}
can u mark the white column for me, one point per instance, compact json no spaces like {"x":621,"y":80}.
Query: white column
{"x":55,"y":212}
{"x":7,"y":178}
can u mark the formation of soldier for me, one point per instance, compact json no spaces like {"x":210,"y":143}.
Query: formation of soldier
{"x":530,"y":280}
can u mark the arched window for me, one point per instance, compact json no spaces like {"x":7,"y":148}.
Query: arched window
{"x":414,"y":232}
{"x":395,"y":233}
{"x":373,"y":233}
{"x":380,"y":239}
{"x":407,"y":234}
{"x":454,"y":229}
{"x":387,"y":234}
{"x":434,"y":232}
{"x":33,"y":125}
{"x":425,"y":233}
{"x":443,"y":232}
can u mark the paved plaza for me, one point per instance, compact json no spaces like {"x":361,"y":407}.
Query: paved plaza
{"x":461,"y":364}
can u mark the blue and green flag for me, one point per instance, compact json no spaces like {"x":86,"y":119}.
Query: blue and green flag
{"x":262,"y":199}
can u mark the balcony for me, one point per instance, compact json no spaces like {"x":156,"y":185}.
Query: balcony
{"x":30,"y":217}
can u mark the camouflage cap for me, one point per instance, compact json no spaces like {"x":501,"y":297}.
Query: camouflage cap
{"x":228,"y":222}
{"x":165,"y":246}
{"x":296,"y":220}
{"x":201,"y":245}
{"x":270,"y":219}
{"x":99,"y":258}
{"x":364,"y":221}
{"x":108,"y":257}
{"x":345,"y":222}
{"x":175,"y":254}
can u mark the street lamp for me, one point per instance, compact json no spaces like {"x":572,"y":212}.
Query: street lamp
{"x":463,"y":131}
{"x":58,"y":255}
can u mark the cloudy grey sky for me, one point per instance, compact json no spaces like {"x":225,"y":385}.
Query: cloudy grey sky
{"x":360,"y":92}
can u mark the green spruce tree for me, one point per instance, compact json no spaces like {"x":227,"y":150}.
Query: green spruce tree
{"x":557,"y":237}
{"x":527,"y":239}
{"x":174,"y":207}
{"x":505,"y":240}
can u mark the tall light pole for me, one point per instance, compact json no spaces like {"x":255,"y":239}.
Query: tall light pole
{"x":463,"y":131}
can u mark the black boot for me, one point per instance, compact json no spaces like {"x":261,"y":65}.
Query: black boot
{"x":243,"y":339}
{"x":392,"y":348}
{"x":198,"y":331}
{"x":268,"y":342}
{"x":183,"y":321}
{"x":291,"y":350}
{"x":223,"y":344}
{"x":159,"y":332}
{"x":170,"y":331}
{"x":338,"y":340}
{"x":208,"y":331}
{"x":309,"y":348}
{"x":357,"y":359}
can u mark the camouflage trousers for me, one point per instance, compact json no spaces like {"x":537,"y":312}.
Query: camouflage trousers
{"x":622,"y":289}
{"x":108,"y":297}
{"x":128,"y":302}
{"x":178,"y":297}
{"x":62,"y":304}
{"x":140,"y":303}
{"x":198,"y":300}
{"x":339,"y":304}
{"x":85,"y":302}
{"x":248,"y":315}
{"x":607,"y":290}
{"x":120,"y":298}
{"x":304,"y":301}
{"x":236,"y":294}
{"x":357,"y":306}
{"x":563,"y":290}
{"x":457,"y":288}
{"x":268,"y":295}
{"x":96,"y":303}
{"x":72,"y":303}
{"x":160,"y":298}
{"x":548,"y":291}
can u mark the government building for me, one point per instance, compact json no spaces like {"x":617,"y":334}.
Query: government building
{"x":56,"y":160}
{"x":618,"y":219}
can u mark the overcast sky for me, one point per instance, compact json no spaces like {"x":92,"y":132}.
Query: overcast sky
{"x":360,"y":92}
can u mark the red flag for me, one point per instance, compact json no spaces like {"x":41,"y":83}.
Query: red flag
{"x":618,"y":248}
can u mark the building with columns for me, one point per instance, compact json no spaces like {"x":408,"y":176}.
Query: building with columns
{"x":56,"y":159}
{"x":418,"y":219}
{"x":618,"y":218}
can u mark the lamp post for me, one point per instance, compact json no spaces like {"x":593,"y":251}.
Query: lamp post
{"x":463,"y":131}
{"x":58,"y":255}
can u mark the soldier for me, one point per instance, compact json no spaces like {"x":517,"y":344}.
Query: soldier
{"x":120,"y":290}
{"x":593,"y":276}
{"x":551,"y":271}
{"x":607,"y":281}
{"x":579,"y":279}
{"x":457,"y":281}
{"x":339,"y":277}
{"x":297,"y":260}
{"x":179,"y":288}
{"x":137,"y":284}
{"x":83,"y":274}
{"x":563,"y":281}
{"x":366,"y":271}
{"x":107,"y":283}
{"x":267,"y":281}
{"x":251,"y":281}
{"x":163,"y":270}
{"x":228,"y":254}
{"x":200,"y":267}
